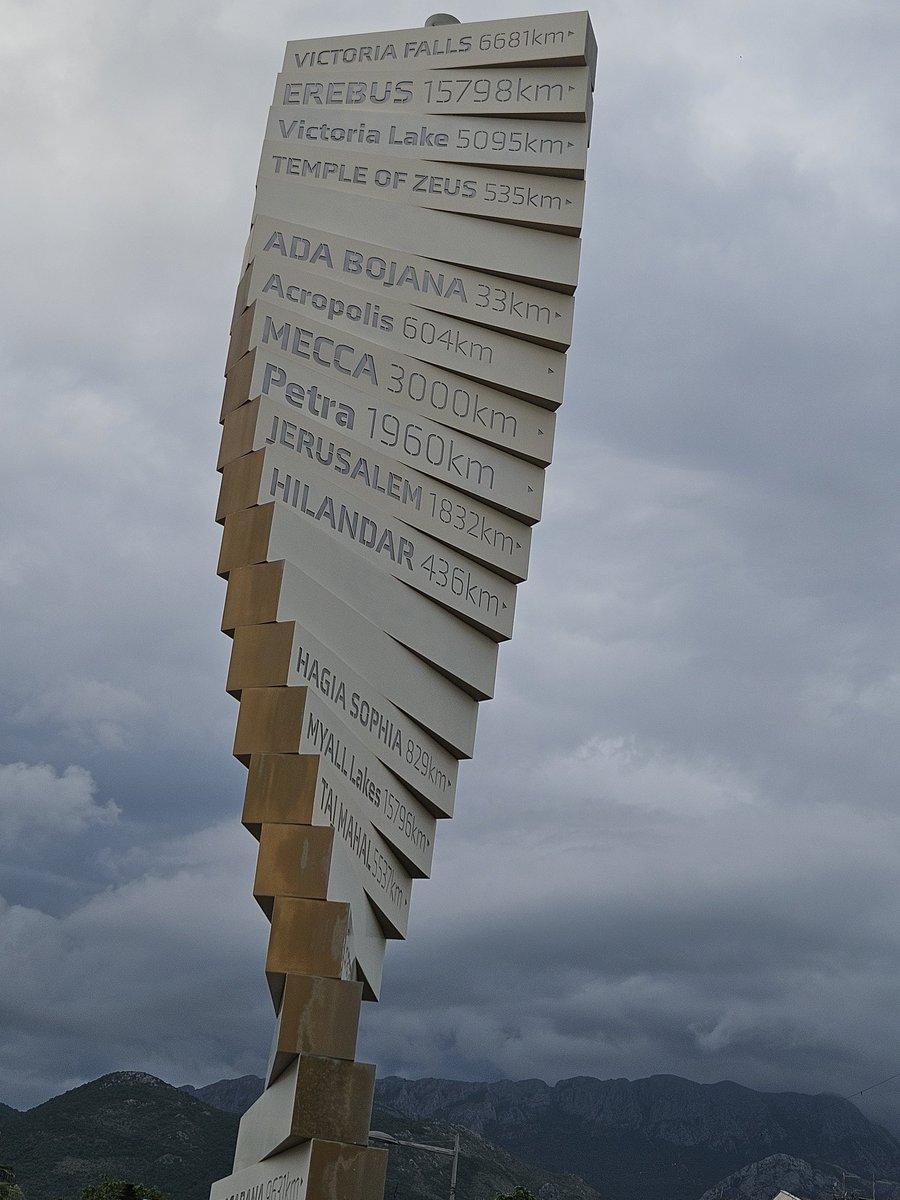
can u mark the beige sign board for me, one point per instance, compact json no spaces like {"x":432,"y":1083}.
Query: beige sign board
{"x":487,"y":422}
{"x":478,"y":530}
{"x":309,"y":1170}
{"x":521,"y":366}
{"x":363,"y":528}
{"x":284,"y":1177}
{"x":563,"y":93}
{"x":440,"y":706}
{"x":395,"y":812}
{"x":471,"y":467}
{"x":459,"y":650}
{"x":520,"y":308}
{"x":535,"y":255}
{"x":542,"y":201}
{"x":560,"y":38}
{"x":555,"y":147}
{"x":415,"y":757}
{"x":485,"y":411}
{"x":367,"y":941}
{"x":297,"y":860}
{"x":385,"y":880}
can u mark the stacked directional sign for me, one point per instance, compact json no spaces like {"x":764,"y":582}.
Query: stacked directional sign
{"x":397,"y":357}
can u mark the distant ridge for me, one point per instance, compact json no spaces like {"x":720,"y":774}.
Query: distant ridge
{"x":129,"y":1125}
{"x":231,"y":1095}
{"x":661,"y":1138}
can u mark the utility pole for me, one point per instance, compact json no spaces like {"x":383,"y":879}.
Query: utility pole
{"x":390,"y":1140}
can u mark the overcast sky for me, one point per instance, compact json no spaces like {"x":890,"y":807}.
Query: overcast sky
{"x":677,"y":848}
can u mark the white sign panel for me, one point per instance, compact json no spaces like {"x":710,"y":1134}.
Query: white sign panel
{"x":480,"y":409}
{"x":486,"y":419}
{"x":553,"y":146}
{"x":456,"y":648}
{"x":544,"y":201}
{"x":518,"y":365}
{"x":536,"y":313}
{"x":424,"y":765}
{"x":385,"y":880}
{"x":396,"y":813}
{"x":421,"y":691}
{"x":458,"y":582}
{"x":535,"y":255}
{"x":560,"y":38}
{"x":507,"y":483}
{"x":478,"y":530}
{"x":563,"y":93}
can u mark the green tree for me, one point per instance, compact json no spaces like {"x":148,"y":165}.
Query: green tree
{"x":519,"y":1193}
{"x":121,"y":1189}
{"x":9,"y":1189}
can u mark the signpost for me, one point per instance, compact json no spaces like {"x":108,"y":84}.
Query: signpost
{"x":397,"y":356}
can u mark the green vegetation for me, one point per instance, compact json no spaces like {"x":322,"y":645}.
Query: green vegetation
{"x":125,"y":1126}
{"x":9,"y":1189}
{"x":121,"y":1189}
{"x":519,"y":1193}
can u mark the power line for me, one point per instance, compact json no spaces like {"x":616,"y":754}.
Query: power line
{"x":872,"y":1085}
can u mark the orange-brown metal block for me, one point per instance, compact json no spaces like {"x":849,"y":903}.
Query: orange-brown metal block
{"x":294,"y":860}
{"x":252,"y":595}
{"x":237,"y":433}
{"x":245,"y":539}
{"x":281,"y":788}
{"x":307,"y":937}
{"x":260,"y":656}
{"x":317,"y":1016}
{"x":238,"y":377}
{"x":270,"y":721}
{"x":239,"y":488}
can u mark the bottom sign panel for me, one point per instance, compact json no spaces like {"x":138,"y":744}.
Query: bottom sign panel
{"x":309,"y":1170}
{"x":285,"y":1176}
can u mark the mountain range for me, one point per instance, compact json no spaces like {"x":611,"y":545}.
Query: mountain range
{"x":661,"y":1138}
{"x":127,"y":1125}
